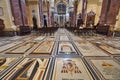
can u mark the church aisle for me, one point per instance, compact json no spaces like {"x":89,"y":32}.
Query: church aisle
{"x":62,"y":56}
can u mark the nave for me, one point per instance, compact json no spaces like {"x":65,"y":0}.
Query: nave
{"x":60,"y":56}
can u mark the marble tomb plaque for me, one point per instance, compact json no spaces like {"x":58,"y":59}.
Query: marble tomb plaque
{"x":109,"y":49}
{"x":29,"y":69}
{"x":51,"y":38}
{"x":6,"y":62}
{"x":39,"y":38}
{"x":113,"y":43}
{"x":7,"y":46}
{"x":66,"y":47}
{"x":64,"y":38}
{"x":44,"y":48}
{"x":70,"y":69}
{"x":106,"y":68}
{"x":88,"y":49}
{"x":22,"y":49}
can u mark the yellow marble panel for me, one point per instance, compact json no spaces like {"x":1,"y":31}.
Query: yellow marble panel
{"x":45,"y":47}
{"x":22,"y":49}
{"x":6,"y":62}
{"x":29,"y":69}
{"x":110,"y":49}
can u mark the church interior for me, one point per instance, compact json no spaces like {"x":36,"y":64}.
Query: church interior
{"x":59,"y":39}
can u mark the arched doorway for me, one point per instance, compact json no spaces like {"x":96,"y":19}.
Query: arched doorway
{"x":61,"y":11}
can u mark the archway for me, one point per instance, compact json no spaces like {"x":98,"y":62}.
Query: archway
{"x":61,"y":11}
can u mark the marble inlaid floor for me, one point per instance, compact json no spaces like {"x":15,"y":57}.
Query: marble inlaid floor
{"x":62,"y":56}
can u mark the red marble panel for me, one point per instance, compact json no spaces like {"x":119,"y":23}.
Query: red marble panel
{"x":113,"y":11}
{"x":23,"y":12}
{"x":52,"y":18}
{"x":41,"y":12}
{"x":109,"y":11}
{"x":16,"y":12}
{"x":48,"y":13}
{"x":75,"y":13}
{"x":103,"y":12}
{"x":71,"y":18}
{"x":84,"y":9}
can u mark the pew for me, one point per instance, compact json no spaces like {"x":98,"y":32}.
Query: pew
{"x":47,"y":30}
{"x":23,"y":30}
{"x":102,"y":29}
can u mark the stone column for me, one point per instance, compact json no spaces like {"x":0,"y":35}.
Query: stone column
{"x":52,"y":18}
{"x":15,"y":7}
{"x":19,"y":12}
{"x":113,"y":12}
{"x":22,"y":4}
{"x":110,"y":9}
{"x":48,"y":13}
{"x":71,"y":18}
{"x":41,"y":12}
{"x":84,"y":9}
{"x":75,"y":12}
{"x":104,"y":11}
